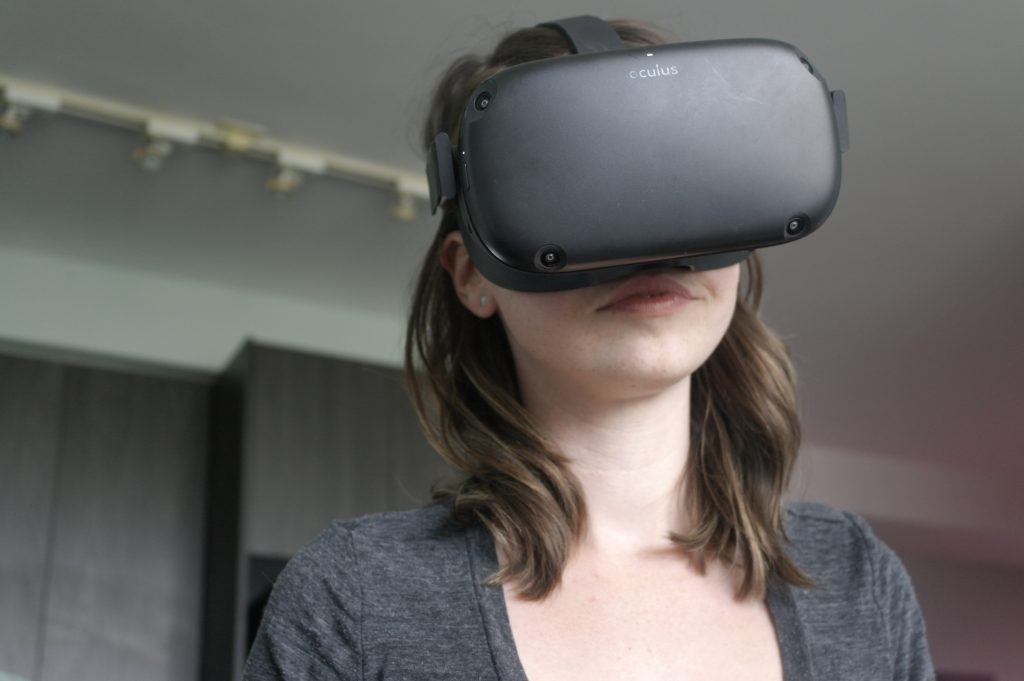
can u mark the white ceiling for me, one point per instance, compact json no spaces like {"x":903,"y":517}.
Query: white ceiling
{"x":903,"y":311}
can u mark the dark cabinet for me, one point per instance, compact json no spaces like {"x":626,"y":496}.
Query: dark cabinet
{"x":143,"y":513}
{"x":102,"y":494}
{"x":29,"y":439}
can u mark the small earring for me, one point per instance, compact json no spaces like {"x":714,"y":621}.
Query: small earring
{"x":483,"y":301}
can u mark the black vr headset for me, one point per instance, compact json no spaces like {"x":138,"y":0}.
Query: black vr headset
{"x":580,"y":169}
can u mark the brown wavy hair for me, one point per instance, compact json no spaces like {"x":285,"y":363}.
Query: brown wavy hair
{"x":744,"y":426}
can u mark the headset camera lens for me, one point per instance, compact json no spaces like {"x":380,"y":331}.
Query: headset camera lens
{"x":550,"y":258}
{"x":483,"y":100}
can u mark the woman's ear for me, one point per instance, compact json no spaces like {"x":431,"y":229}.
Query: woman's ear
{"x":471,"y":287}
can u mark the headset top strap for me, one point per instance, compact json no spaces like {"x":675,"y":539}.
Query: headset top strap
{"x":587,"y":34}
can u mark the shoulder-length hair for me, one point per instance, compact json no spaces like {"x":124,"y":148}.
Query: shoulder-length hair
{"x":744,"y":427}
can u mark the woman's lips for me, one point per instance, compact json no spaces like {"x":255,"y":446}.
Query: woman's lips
{"x":648,"y":293}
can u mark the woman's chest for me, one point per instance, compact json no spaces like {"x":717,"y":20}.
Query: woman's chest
{"x":657,"y":631}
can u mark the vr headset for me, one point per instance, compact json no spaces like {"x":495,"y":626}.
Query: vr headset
{"x":580,"y":169}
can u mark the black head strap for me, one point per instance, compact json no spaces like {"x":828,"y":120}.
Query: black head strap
{"x":587,"y":34}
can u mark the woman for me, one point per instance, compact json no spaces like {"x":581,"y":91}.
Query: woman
{"x":625,"y":448}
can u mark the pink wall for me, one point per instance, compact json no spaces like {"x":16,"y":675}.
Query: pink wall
{"x":974,"y":614}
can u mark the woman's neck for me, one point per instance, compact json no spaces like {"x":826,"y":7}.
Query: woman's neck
{"x":628,"y":454}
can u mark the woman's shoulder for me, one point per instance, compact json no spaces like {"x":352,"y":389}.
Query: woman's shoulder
{"x":362,"y":586}
{"x":377,"y":546}
{"x":423,"y":525}
{"x":835,"y":546}
{"x":817,"y":530}
{"x":862,"y":602}
{"x":841,"y":553}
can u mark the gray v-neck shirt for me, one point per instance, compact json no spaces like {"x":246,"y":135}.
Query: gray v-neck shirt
{"x":403,"y":596}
